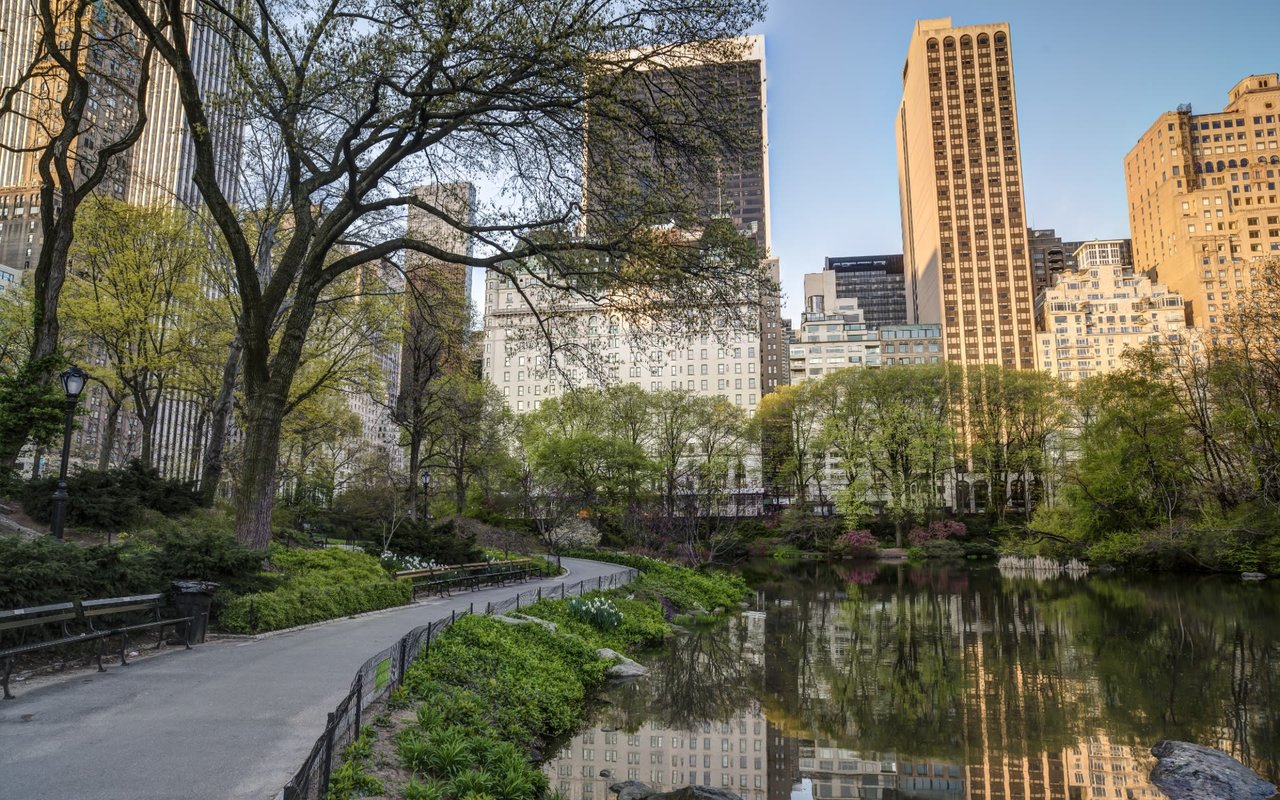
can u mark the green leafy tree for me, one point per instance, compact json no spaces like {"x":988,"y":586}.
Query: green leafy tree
{"x":382,"y":95}
{"x":129,"y":299}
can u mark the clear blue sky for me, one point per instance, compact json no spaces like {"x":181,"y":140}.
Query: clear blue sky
{"x":1090,"y":77}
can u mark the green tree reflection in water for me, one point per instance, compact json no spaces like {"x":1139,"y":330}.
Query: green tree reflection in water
{"x":871,"y":676}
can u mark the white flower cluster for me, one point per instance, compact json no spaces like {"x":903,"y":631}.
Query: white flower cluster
{"x":405,"y":563}
{"x":597,"y":611}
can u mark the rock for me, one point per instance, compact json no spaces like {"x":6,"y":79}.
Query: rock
{"x":624,"y":668}
{"x":697,"y":793}
{"x":1253,"y":576}
{"x":632,"y":790}
{"x":549,"y":625}
{"x":1186,"y":771}
{"x":511,"y":620}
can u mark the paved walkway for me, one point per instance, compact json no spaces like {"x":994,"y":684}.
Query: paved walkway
{"x":224,"y":721}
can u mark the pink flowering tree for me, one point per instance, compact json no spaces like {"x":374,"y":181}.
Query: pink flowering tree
{"x":938,"y":530}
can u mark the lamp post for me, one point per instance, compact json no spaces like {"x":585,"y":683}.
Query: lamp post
{"x":73,"y":380}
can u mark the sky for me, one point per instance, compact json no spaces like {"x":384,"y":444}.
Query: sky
{"x":1090,"y":78}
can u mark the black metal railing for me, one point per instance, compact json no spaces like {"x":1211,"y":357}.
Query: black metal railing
{"x":385,"y":671}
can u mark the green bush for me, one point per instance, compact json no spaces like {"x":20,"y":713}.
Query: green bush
{"x":687,"y":588}
{"x":315,"y":585}
{"x":443,"y":542}
{"x":942,"y":549}
{"x":109,"y":500}
{"x":42,"y":571}
{"x":980,"y":550}
{"x":1118,"y":549}
{"x":599,"y":612}
{"x":519,"y":682}
{"x":642,"y":621}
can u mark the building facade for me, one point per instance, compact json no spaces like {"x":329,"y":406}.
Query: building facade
{"x":834,"y":334}
{"x":719,"y":83}
{"x":594,"y":347}
{"x":1092,"y":314}
{"x":960,"y":183}
{"x":878,"y":283}
{"x":1203,"y":199}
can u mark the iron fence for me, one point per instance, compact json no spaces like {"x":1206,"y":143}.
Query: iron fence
{"x":385,"y":671}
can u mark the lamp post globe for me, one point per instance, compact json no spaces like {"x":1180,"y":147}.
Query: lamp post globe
{"x":73,"y":382}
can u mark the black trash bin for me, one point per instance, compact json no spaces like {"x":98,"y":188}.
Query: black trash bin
{"x":193,"y":599}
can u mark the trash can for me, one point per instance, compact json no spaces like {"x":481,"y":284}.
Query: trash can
{"x":193,"y":599}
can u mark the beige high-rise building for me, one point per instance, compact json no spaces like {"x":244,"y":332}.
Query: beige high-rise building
{"x":1095,"y":312}
{"x":1203,"y":203}
{"x":964,"y":227}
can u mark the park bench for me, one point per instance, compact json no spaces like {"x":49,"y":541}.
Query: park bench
{"x":442,"y":580}
{"x":80,"y":622}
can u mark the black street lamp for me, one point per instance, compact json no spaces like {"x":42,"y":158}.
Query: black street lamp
{"x":73,"y":380}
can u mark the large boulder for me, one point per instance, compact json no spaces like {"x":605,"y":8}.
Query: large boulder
{"x":1186,"y":771}
{"x":624,"y":667}
{"x":632,"y":790}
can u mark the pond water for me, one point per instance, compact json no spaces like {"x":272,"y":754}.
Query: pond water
{"x":890,"y":681}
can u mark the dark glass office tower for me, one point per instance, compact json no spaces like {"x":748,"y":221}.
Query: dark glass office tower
{"x":877,"y":283}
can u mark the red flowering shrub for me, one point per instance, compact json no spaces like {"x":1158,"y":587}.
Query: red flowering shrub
{"x":938,"y":530}
{"x":857,"y":544}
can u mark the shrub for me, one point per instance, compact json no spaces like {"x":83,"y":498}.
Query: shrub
{"x":520,"y":682}
{"x":42,"y":571}
{"x":938,"y":530}
{"x":109,"y":500}
{"x":980,"y":550}
{"x":1117,"y":549}
{"x":942,"y":549}
{"x":204,"y":553}
{"x":857,"y":544}
{"x":445,"y":542}
{"x":598,"y":612}
{"x":316,"y":585}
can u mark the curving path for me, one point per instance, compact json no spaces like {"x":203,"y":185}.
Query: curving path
{"x":224,"y":721}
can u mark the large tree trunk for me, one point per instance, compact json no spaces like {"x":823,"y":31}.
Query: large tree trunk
{"x":211,"y":470}
{"x":256,"y":483}
{"x":109,"y":434}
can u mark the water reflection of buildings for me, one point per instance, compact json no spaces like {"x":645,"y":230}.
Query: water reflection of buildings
{"x":669,"y":749}
{"x":1015,"y":727}
{"x":924,"y":686}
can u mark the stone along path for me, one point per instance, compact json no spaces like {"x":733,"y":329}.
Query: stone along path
{"x":224,"y":721}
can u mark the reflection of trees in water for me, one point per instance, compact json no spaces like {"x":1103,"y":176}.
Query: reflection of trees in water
{"x":1189,"y":659}
{"x":940,"y":663}
{"x":709,"y":674}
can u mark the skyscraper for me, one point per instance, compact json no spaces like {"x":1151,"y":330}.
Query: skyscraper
{"x":1203,"y":203}
{"x":960,"y":180}
{"x":157,"y":170}
{"x":718,"y":84}
{"x":876,"y":282}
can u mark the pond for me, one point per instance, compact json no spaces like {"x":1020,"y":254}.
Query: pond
{"x":892,"y":681}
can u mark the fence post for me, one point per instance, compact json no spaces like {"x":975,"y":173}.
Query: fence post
{"x":517,"y":602}
{"x":328,"y":756}
{"x":562,"y":591}
{"x":488,"y":608}
{"x":404,"y":655}
{"x":472,"y":609}
{"x":539,"y":594}
{"x":359,"y":698}
{"x":453,"y":617}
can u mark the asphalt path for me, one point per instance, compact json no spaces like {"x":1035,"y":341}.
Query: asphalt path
{"x":225,"y":720}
